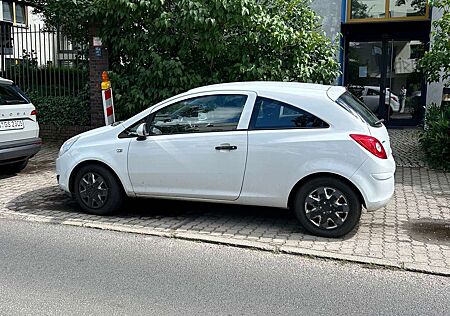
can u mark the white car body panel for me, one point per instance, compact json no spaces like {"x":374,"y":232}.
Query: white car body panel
{"x":180,"y":165}
{"x":99,"y":145}
{"x":265,"y":167}
{"x":19,"y":128}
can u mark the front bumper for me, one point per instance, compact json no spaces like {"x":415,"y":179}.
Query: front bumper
{"x":63,"y":169}
{"x":19,"y":150}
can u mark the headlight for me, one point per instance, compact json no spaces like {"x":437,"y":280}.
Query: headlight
{"x":66,"y":146}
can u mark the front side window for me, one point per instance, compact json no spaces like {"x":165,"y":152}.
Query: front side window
{"x":215,"y":113}
{"x":272,"y":114}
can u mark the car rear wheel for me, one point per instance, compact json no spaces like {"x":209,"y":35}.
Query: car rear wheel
{"x":327,"y":207}
{"x":97,"y":190}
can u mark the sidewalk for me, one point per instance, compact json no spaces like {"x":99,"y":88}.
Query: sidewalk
{"x":412,"y":232}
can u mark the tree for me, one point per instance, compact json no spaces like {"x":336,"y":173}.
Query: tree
{"x":161,"y":47}
{"x":436,"y":63}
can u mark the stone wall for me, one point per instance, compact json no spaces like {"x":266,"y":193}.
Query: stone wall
{"x":59,"y":134}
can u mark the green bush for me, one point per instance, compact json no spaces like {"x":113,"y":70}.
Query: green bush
{"x":62,"y":110}
{"x":435,"y":140}
{"x":161,"y":48}
{"x":166,"y":47}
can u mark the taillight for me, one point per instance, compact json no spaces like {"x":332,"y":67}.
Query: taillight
{"x":393,"y":97}
{"x":371,"y":144}
{"x":34,"y":112}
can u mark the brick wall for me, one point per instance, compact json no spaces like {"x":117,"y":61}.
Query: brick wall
{"x":53,"y":133}
{"x":98,"y":62}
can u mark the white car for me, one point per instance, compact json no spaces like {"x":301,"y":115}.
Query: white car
{"x":313,"y":148}
{"x":371,"y":97}
{"x":19,"y":129}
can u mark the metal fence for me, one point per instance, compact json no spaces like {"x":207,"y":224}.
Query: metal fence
{"x":42,"y":61}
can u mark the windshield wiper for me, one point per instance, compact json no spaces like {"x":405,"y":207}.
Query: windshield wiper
{"x":379,"y":122}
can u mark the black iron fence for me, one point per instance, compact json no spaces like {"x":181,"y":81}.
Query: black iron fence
{"x":51,"y":69}
{"x":42,"y":61}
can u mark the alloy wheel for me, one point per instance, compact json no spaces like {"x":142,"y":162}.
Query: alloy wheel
{"x":326,"y":207}
{"x":93,"y":190}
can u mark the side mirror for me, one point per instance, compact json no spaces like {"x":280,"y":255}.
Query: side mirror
{"x":142,"y":132}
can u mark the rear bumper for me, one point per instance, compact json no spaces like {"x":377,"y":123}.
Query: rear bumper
{"x":376,"y":182}
{"x":19,"y":150}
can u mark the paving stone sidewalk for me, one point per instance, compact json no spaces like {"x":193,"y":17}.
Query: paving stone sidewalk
{"x":412,"y":232}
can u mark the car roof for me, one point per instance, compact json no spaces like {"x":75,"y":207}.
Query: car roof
{"x":270,"y":86}
{"x":5,"y":81}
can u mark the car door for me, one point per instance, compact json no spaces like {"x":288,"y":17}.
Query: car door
{"x":197,"y":148}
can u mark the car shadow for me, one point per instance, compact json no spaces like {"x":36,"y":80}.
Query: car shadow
{"x":172,"y":214}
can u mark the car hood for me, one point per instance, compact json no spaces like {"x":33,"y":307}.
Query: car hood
{"x":97,"y":131}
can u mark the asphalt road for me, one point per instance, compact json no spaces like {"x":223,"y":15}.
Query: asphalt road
{"x":57,"y":269}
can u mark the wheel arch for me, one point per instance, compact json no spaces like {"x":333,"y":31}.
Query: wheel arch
{"x":92,"y":162}
{"x":297,"y":186}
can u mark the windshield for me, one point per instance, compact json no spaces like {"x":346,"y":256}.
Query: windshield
{"x":352,"y":104}
{"x":11,"y":94}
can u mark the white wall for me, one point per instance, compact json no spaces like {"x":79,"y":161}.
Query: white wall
{"x":434,"y":90}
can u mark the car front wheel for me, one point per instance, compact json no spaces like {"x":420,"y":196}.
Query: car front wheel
{"x":327,"y":207}
{"x":97,"y":190}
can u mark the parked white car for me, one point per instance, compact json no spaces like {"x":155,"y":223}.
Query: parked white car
{"x":19,"y":129}
{"x":371,"y":97}
{"x":313,"y":148}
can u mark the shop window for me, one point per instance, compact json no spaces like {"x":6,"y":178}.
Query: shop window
{"x":406,"y":8}
{"x":364,"y":9}
{"x":392,"y":9}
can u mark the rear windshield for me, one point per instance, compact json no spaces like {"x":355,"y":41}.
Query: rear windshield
{"x":352,"y":104}
{"x":11,"y":94}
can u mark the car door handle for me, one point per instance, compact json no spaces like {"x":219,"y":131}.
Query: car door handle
{"x":226,"y":147}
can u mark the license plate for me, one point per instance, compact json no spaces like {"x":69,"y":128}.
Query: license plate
{"x":8,"y":125}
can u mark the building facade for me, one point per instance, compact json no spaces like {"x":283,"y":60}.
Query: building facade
{"x":381,"y":43}
{"x":24,"y":37}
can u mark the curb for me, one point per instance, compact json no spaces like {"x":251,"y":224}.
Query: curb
{"x":234,"y":242}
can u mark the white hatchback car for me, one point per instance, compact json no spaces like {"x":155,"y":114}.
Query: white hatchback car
{"x":19,"y":129}
{"x":313,"y":148}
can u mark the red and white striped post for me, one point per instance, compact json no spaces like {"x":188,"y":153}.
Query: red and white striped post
{"x":107,"y":97}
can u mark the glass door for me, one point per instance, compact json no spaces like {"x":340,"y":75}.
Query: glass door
{"x":364,"y":73}
{"x":383,"y":74}
{"x":404,"y":82}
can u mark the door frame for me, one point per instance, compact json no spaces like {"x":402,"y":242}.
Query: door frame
{"x":385,"y":33}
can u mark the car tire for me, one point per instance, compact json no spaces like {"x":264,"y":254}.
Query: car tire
{"x":327,"y":207}
{"x":97,"y":190}
{"x":14,"y":167}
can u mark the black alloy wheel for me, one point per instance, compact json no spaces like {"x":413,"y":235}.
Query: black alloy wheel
{"x":328,"y":207}
{"x":97,"y":190}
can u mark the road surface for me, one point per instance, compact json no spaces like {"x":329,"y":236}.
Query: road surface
{"x":58,"y":269}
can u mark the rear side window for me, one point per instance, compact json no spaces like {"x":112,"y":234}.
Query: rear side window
{"x":272,"y":114}
{"x":352,"y":104}
{"x":11,"y":94}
